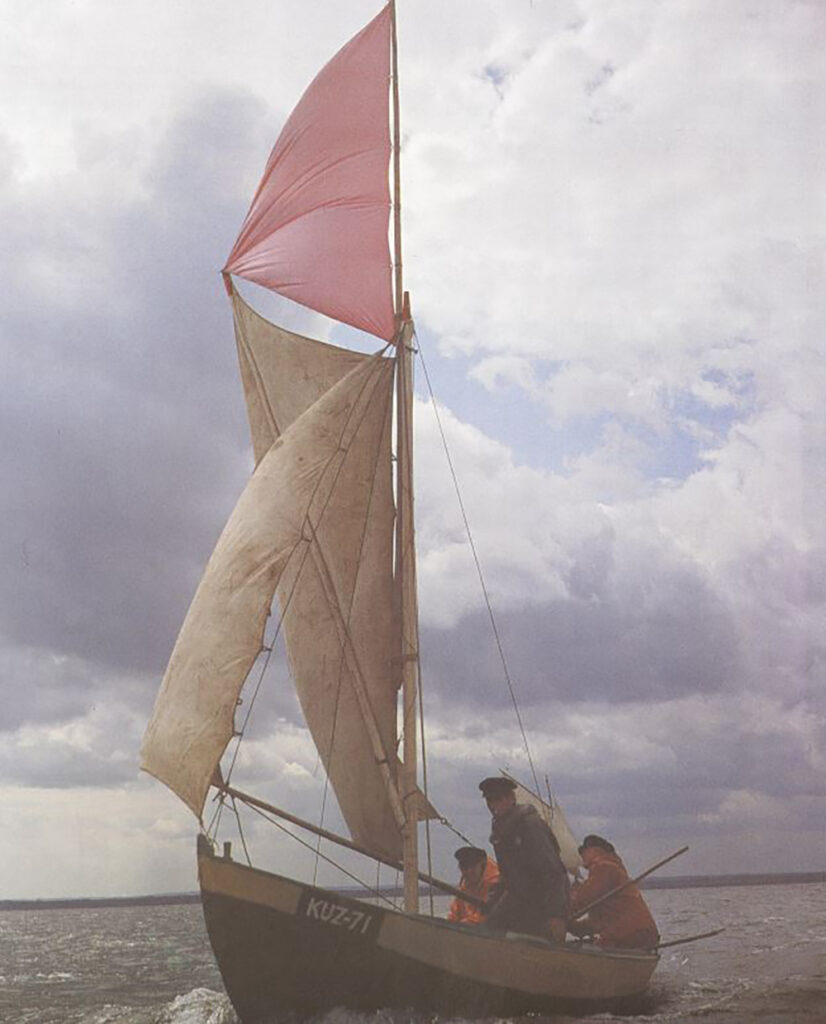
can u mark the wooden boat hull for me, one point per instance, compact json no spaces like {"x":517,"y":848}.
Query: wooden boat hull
{"x":287,"y":948}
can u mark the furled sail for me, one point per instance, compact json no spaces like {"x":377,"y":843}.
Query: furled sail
{"x":265,"y":542}
{"x":339,"y":624}
{"x":317,"y":229}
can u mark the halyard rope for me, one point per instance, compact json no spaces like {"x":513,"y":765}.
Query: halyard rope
{"x":369,"y":888}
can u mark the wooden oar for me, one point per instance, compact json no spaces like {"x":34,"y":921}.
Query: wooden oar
{"x":690,"y":938}
{"x":631,"y":881}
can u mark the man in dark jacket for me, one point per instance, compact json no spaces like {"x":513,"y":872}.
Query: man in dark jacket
{"x":533,"y":892}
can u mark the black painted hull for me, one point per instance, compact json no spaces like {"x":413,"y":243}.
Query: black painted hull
{"x":284,"y":948}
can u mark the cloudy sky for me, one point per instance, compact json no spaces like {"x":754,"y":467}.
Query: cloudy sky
{"x":613,"y":243}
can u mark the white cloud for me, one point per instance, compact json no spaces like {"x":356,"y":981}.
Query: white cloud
{"x":95,"y":842}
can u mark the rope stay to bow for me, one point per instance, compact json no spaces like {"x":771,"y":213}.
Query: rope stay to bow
{"x":477,"y":562}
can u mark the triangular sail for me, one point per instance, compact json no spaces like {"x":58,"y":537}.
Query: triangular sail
{"x":269,"y":533}
{"x":339,"y":623}
{"x":317,"y":229}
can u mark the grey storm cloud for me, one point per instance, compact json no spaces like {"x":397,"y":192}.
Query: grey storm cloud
{"x":676,"y":639}
{"x":41,"y":687}
{"x":772,"y":765}
{"x":125,"y":433}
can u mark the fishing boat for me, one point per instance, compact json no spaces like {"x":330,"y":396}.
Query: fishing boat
{"x":320,"y":552}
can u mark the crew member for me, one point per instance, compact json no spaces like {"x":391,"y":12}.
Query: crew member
{"x":533,"y":892}
{"x":623,"y":921}
{"x":479,"y":875}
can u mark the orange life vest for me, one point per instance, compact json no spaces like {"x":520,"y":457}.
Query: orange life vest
{"x":467,"y":913}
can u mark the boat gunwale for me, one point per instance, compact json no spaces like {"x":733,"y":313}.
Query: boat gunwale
{"x":509,"y":940}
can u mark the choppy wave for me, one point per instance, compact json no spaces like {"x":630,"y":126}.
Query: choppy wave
{"x":201,"y":1006}
{"x":723,"y":1001}
{"x":153,"y":965}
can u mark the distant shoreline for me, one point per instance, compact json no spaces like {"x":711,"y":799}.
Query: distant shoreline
{"x":167,"y":899}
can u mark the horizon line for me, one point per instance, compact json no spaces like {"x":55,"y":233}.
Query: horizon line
{"x":194,"y":896}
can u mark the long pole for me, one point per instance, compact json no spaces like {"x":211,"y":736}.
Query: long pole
{"x":690,"y":938}
{"x":262,"y":805}
{"x":631,"y":881}
{"x":405,"y":544}
{"x":408,"y":617}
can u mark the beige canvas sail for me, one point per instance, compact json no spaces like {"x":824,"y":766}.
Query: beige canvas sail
{"x":269,"y":531}
{"x":339,"y":623}
{"x":282,"y":373}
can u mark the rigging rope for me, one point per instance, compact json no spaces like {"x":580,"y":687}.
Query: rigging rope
{"x":305,"y":554}
{"x":215,"y":820}
{"x":479,"y":572}
{"x":303,"y":842}
{"x":241,"y":831}
{"x":424,"y":785}
{"x":456,"y":832}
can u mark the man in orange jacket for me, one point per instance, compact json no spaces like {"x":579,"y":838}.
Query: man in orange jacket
{"x":623,"y":921}
{"x":479,"y":876}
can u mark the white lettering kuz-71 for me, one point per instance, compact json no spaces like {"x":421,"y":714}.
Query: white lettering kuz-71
{"x":335,"y":914}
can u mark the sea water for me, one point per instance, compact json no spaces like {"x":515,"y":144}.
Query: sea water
{"x":153,"y":964}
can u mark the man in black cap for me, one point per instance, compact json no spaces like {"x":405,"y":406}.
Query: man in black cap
{"x":623,"y":921}
{"x":533,"y":893}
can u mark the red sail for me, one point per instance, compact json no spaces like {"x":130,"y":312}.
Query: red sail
{"x":317,"y":230}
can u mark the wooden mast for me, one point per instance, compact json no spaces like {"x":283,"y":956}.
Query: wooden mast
{"x":405,"y":541}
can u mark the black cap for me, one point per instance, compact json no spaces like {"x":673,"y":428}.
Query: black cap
{"x":497,"y":785}
{"x":592,"y":840}
{"x":467,"y":855}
